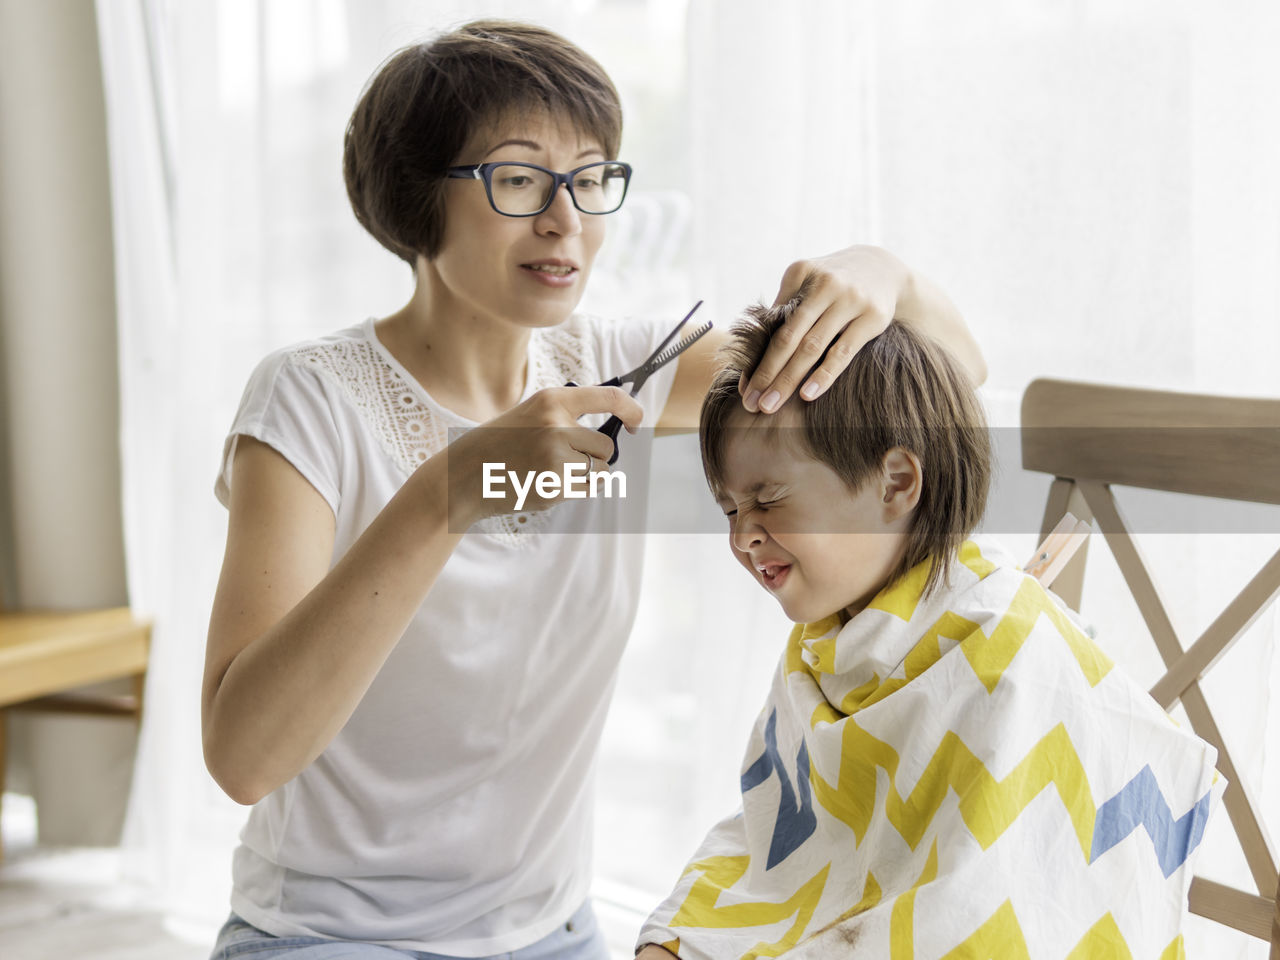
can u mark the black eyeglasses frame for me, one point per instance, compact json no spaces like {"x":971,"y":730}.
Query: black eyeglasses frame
{"x":484,"y":172}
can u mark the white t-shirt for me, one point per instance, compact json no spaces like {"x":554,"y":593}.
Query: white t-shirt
{"x":453,"y":811}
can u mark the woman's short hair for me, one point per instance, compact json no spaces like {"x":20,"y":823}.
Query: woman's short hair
{"x":418,"y":111}
{"x":900,"y":390}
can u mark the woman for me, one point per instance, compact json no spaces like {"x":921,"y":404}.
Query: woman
{"x":406,"y":679}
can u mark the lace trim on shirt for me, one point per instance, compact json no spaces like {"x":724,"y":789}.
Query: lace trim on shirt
{"x":411,"y":430}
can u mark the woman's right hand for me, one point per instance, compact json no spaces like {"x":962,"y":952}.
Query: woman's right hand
{"x":542,"y":434}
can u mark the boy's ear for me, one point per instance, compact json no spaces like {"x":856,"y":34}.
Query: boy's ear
{"x":903,"y":479}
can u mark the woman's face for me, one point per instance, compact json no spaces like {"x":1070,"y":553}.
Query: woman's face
{"x":528,"y":271}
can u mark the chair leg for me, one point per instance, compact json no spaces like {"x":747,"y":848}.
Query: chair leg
{"x":1275,"y":926}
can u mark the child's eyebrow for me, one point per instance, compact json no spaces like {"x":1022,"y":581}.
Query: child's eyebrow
{"x":750,"y":490}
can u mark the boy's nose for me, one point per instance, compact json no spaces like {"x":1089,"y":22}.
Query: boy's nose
{"x":747,"y":533}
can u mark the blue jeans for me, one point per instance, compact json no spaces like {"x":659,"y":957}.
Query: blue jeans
{"x":579,"y":939}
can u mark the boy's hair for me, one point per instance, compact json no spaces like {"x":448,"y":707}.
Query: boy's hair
{"x":900,"y":390}
{"x":418,"y":111}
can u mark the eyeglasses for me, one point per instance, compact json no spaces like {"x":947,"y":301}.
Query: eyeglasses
{"x":526,"y":189}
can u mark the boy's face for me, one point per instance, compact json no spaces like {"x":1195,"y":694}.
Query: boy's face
{"x":818,"y":546}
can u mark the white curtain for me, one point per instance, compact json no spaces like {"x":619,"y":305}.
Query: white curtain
{"x":234,"y":237}
{"x":1094,"y":184}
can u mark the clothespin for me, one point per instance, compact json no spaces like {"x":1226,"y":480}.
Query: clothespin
{"x":1058,"y":548}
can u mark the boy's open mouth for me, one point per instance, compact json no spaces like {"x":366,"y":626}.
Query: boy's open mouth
{"x":773,"y":574}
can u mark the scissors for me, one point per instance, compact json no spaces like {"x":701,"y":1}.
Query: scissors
{"x":663,"y":355}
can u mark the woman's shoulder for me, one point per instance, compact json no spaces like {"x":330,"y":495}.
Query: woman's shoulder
{"x":327,"y":348}
{"x":346,"y":354}
{"x":288,"y":405}
{"x":298,"y":371}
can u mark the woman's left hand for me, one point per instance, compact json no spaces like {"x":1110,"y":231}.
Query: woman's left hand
{"x":848,"y":297}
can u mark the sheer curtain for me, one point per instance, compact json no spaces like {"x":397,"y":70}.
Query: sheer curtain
{"x":234,"y":236}
{"x":1094,"y":184}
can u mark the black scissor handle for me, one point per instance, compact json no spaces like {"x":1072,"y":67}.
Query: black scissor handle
{"x":610,"y":429}
{"x":611,"y":426}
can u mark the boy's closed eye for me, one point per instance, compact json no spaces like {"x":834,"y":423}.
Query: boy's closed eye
{"x":755,"y":503}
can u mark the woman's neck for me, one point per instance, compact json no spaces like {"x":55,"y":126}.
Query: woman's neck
{"x":470,"y":362}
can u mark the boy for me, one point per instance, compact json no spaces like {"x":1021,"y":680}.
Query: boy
{"x":895,"y":789}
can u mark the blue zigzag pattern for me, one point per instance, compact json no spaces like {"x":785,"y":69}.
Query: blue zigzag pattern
{"x":1140,"y":802}
{"x":796,"y":820}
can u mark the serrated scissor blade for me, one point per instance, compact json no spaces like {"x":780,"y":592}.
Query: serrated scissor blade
{"x":673,"y":351}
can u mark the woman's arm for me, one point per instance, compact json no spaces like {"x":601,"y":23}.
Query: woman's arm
{"x":850,"y":296}
{"x":293,"y":645}
{"x":695,"y":369}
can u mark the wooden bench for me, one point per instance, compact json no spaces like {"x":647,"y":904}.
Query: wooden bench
{"x":46,"y":655}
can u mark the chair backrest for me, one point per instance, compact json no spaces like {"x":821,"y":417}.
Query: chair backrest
{"x":1089,"y":437}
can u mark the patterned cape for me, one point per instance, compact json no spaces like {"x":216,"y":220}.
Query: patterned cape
{"x":962,"y":776}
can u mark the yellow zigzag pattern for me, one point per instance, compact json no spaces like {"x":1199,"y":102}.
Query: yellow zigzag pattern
{"x":902,"y":597}
{"x":1102,"y":941}
{"x":989,"y":657}
{"x":922,"y":656}
{"x":899,"y":599}
{"x":987,"y":806}
{"x":823,"y":646}
{"x":902,"y":921}
{"x":999,"y":937}
{"x":871,"y":896}
{"x":721,"y":873}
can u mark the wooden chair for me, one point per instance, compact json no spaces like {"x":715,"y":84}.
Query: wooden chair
{"x":46,"y":655}
{"x":1089,"y":437}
